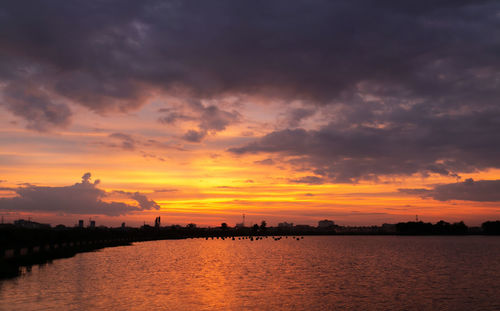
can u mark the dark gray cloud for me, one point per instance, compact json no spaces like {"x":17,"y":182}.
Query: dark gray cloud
{"x":111,"y":55}
{"x":134,"y":143}
{"x":126,"y":141}
{"x":194,"y":136}
{"x":81,"y":198}
{"x":295,"y":116}
{"x":267,"y":161}
{"x":399,"y":142}
{"x":142,"y":200}
{"x":311,"y":180}
{"x":171,"y":116}
{"x":166,"y":190}
{"x":152,"y":156}
{"x":39,"y":109}
{"x":404,"y":88}
{"x":469,"y":190}
{"x":211,"y":119}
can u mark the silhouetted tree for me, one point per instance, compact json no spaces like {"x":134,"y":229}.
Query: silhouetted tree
{"x":223,"y":226}
{"x":412,"y":227}
{"x":255,"y":228}
{"x":441,"y":227}
{"x":458,"y":228}
{"x":263,"y":225}
{"x":491,"y":227}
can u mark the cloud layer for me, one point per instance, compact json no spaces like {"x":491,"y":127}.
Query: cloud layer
{"x":81,"y":198}
{"x":112,"y":55}
{"x":398,"y":142}
{"x":400,"y":88}
{"x":469,"y":190}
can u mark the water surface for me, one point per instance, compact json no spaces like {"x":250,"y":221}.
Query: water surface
{"x":331,"y":272}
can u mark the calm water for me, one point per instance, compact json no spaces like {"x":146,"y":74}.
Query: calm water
{"x":322,"y":273}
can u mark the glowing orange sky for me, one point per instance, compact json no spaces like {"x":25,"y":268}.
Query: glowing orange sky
{"x":204,"y":184}
{"x":362,"y":113}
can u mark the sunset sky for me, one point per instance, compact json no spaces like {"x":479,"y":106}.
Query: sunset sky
{"x":363,"y":112}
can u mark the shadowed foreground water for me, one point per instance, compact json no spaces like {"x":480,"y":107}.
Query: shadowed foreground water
{"x":323,"y":273}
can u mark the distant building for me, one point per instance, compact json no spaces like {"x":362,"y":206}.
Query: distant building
{"x":389,"y":228}
{"x":157,"y":222}
{"x":325,"y":224}
{"x":30,"y":224}
{"x":92,"y":224}
{"x":80,"y":223}
{"x":303,"y":227}
{"x":242,"y":223}
{"x":285,"y":225}
{"x":123,"y":225}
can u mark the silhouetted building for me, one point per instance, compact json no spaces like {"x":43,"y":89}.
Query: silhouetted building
{"x":30,"y":224}
{"x":303,"y":227}
{"x":242,"y":224}
{"x":92,"y":224}
{"x":389,"y":228}
{"x":325,"y":224}
{"x":285,"y":225}
{"x":80,"y":223}
{"x":123,"y":225}
{"x":157,"y":222}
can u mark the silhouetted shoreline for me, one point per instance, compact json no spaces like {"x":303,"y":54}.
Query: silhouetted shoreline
{"x":29,"y":243}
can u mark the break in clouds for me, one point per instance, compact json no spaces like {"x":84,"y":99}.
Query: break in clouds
{"x":403,"y":87}
{"x":81,"y":198}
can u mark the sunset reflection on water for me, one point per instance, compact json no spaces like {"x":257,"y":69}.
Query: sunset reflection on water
{"x":412,"y":273}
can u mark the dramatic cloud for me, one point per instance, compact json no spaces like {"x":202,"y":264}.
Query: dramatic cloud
{"x":398,"y":88}
{"x":113,"y":55}
{"x":469,"y":190}
{"x":171,"y":116}
{"x":398,"y":142}
{"x":80,"y":198}
{"x":210,"y":119}
{"x":294,"y":117}
{"x":41,"y":111}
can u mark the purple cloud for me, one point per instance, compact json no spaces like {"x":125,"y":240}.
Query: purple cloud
{"x":81,"y":198}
